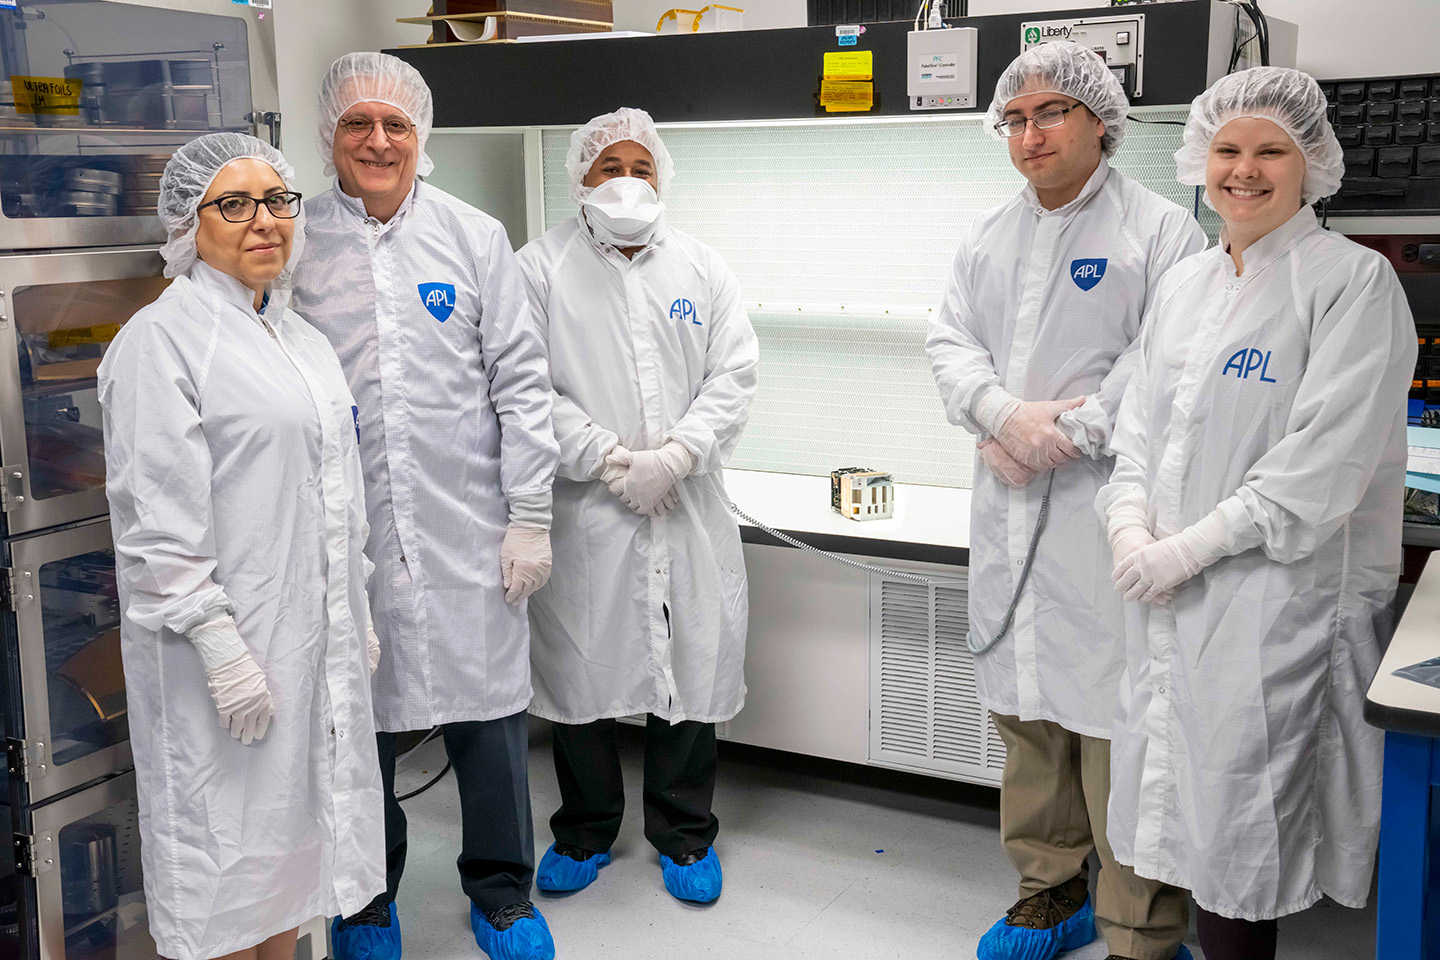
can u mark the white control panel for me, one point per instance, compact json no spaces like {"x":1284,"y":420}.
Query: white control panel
{"x":941,"y":65}
{"x":1119,"y":41}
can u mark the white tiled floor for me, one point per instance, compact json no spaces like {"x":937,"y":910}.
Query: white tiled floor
{"x":821,"y":861}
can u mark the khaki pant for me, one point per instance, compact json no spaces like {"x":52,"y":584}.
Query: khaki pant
{"x":1052,"y":814}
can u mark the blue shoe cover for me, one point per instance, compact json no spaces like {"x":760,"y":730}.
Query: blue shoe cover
{"x":699,"y":883}
{"x":1004,"y":942}
{"x":560,"y":874}
{"x":526,"y":939}
{"x":365,"y":942}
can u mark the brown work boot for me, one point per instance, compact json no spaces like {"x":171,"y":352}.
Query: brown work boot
{"x":1050,"y":908}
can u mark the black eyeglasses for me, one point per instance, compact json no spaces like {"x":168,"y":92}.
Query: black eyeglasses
{"x":395,"y":128}
{"x":1044,"y":120}
{"x":242,"y":209}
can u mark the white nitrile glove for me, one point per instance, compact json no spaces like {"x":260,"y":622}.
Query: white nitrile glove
{"x":667,"y":503}
{"x":1029,"y":433}
{"x":237,"y":684}
{"x":1005,"y":467}
{"x":1124,"y":544}
{"x":652,"y":474}
{"x":611,"y":472}
{"x":1165,"y":564}
{"x":372,"y":640}
{"x":524,"y":561}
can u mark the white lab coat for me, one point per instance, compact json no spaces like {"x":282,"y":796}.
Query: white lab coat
{"x":641,"y":351}
{"x":1241,"y":767}
{"x":234,"y":483}
{"x":1023,"y":313}
{"x":454,"y":430}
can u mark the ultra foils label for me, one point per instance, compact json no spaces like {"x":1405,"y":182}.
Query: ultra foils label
{"x":49,"y":95}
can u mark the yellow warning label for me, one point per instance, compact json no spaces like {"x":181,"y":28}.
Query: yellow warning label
{"x":847,"y":96}
{"x":850,"y":65}
{"x":46,"y":94}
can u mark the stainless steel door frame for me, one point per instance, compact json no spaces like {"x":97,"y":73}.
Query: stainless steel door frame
{"x":25,"y":233}
{"x":24,"y":513}
{"x":27,"y":556}
{"x":46,"y":823}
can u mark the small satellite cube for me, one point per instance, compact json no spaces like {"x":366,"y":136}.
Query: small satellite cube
{"x":862,"y":494}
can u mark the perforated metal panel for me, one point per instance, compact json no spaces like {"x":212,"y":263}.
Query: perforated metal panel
{"x":924,"y":711}
{"x":868,"y":215}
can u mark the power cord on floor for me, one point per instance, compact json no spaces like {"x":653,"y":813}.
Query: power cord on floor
{"x":408,"y":753}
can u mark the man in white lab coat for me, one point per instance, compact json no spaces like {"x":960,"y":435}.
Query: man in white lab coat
{"x":1032,"y":350}
{"x":654,"y":363}
{"x":421,"y":297}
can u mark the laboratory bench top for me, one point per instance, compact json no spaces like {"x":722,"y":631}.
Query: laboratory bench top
{"x":930,"y":525}
{"x":1395,"y":703}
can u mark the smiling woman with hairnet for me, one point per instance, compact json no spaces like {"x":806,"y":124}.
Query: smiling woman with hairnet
{"x":233,"y":475}
{"x":1260,"y":461}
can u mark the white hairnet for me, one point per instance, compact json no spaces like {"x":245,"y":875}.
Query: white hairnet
{"x":1288,"y":98}
{"x":374,"y":78}
{"x":187,"y":179}
{"x":627,"y":123}
{"x":1066,"y":68}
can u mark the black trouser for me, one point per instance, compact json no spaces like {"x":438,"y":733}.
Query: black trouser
{"x":679,"y":785}
{"x":497,"y":847}
{"x":1225,"y":939}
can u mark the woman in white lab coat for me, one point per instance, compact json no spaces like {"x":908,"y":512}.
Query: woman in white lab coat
{"x":239,"y":516}
{"x":1255,"y":514}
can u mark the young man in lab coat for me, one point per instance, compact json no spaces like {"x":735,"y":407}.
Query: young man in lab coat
{"x":1032,"y":350}
{"x":654,"y":363}
{"x":421,"y":297}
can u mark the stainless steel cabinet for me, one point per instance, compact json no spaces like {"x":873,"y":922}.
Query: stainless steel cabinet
{"x":95,"y":95}
{"x":58,"y":312}
{"x":65,"y":647}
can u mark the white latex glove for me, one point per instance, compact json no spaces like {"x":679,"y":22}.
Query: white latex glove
{"x":372,"y":640}
{"x":611,"y":472}
{"x":524,"y":561}
{"x":651,"y":474}
{"x":1155,"y":569}
{"x":667,"y":503}
{"x":1029,"y":433}
{"x":1124,"y":543}
{"x":1164,"y":565}
{"x":1006,"y":469}
{"x":237,"y":684}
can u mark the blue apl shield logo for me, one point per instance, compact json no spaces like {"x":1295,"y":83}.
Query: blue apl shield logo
{"x":1087,"y":273}
{"x":683,"y":309}
{"x":355,"y":412}
{"x":439,"y":299}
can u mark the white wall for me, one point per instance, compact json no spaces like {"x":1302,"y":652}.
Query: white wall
{"x":1338,"y":38}
{"x":309,"y":35}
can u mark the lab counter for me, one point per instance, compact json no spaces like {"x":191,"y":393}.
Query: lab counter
{"x":930,"y":525}
{"x":1409,"y":712}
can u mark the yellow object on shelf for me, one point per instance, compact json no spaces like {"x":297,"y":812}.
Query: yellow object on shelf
{"x":710,"y":19}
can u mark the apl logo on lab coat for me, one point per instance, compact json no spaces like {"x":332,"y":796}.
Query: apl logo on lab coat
{"x":1246,"y":361}
{"x":439,"y":299}
{"x":683,"y":309}
{"x":1087,"y":273}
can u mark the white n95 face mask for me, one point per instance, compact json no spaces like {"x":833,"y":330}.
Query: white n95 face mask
{"x":623,"y":211}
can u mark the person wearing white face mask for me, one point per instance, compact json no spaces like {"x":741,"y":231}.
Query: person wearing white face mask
{"x":422,"y":298}
{"x":654,"y":364}
{"x":1258,"y":483}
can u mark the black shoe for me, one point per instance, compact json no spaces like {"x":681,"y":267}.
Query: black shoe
{"x":375,"y":915}
{"x":691,"y":858}
{"x":578,"y":854}
{"x":504,"y":918}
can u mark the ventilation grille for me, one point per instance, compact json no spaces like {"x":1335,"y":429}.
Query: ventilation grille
{"x":924,"y":712}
